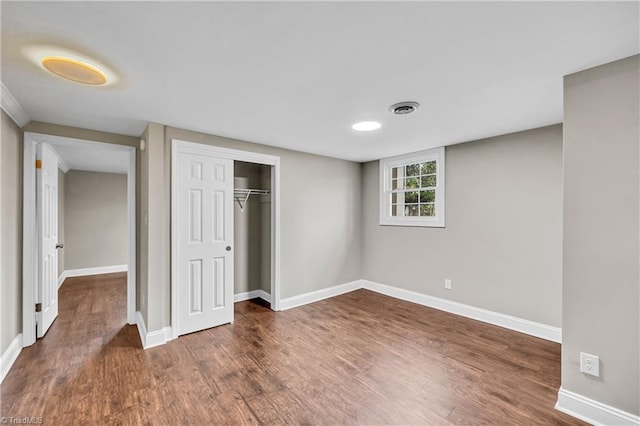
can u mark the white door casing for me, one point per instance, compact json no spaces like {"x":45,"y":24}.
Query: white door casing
{"x":47,"y":220}
{"x":204,"y":245}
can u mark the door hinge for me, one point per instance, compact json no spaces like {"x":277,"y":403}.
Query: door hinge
{"x":38,"y":307}
{"x":38,"y":164}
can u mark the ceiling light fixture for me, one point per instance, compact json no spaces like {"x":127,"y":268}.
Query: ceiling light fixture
{"x":70,"y":65}
{"x":74,"y":70}
{"x":366,"y":126}
{"x":402,"y":108}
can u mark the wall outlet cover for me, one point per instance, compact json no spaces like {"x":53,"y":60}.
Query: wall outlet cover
{"x":590,"y":364}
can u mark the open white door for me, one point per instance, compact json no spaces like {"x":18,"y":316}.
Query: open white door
{"x":47,"y":220}
{"x":204,"y":234}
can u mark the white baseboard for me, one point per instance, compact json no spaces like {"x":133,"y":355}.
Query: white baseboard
{"x":82,"y":272}
{"x":9,"y":356}
{"x":315,"y":296}
{"x":61,"y":278}
{"x":531,"y":328}
{"x":154,"y":338}
{"x":593,"y":412}
{"x":264,"y":296}
{"x":239,"y":297}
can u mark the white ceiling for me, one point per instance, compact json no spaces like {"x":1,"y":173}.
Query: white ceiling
{"x":297,"y":75}
{"x":78,"y":154}
{"x":94,"y":160}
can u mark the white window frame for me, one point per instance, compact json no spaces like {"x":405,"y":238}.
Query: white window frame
{"x":386,"y":164}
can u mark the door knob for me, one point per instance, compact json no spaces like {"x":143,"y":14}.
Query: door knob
{"x":228,"y":248}
{"x":59,"y":245}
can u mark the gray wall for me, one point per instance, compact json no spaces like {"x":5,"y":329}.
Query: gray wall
{"x":502,"y":243}
{"x":95,"y":219}
{"x":10,"y":232}
{"x":154,"y":282}
{"x":60,"y":221}
{"x":252,"y":254}
{"x":601,"y":223}
{"x":265,"y":230}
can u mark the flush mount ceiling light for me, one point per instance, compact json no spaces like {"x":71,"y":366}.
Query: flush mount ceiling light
{"x":366,"y":126}
{"x":402,"y":108}
{"x":70,"y":65}
{"x":76,"y":71}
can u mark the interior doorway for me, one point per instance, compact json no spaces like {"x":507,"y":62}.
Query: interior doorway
{"x":203,"y":229}
{"x":84,"y":158}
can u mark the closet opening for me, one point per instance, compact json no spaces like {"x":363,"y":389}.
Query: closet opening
{"x":252,"y":231}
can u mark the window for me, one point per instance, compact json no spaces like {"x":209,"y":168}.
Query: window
{"x":412,"y":189}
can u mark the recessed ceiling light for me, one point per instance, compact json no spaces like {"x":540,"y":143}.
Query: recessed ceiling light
{"x":74,"y":70}
{"x":70,"y":65}
{"x":366,"y":126}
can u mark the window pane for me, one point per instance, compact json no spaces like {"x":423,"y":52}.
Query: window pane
{"x":427,"y":210}
{"x":413,"y":169}
{"x":411,"y":210}
{"x":427,"y":196}
{"x":428,"y":167}
{"x":428,"y":181}
{"x":394,"y":210}
{"x":411,"y":197}
{"x":397,"y":172}
{"x":412,"y":183}
{"x":397,"y":197}
{"x":397,"y":184}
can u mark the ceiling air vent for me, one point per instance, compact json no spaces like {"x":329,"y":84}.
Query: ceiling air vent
{"x":402,"y":108}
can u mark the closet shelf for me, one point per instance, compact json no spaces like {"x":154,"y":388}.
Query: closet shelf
{"x":242,"y":195}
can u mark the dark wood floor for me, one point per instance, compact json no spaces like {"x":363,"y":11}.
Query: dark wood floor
{"x":360,"y":358}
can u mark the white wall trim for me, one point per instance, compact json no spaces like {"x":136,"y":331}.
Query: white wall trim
{"x":521,"y":325}
{"x":153,"y":338}
{"x":592,"y":411}
{"x":12,"y":107}
{"x":29,"y":241}
{"x":82,"y":272}
{"x":9,"y":356}
{"x":61,"y":278}
{"x":248,"y":295}
{"x":315,"y":296}
{"x":90,"y":271}
{"x":168,"y":334}
{"x":62,"y":165}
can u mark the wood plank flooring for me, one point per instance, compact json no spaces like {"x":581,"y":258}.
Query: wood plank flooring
{"x":360,"y":358}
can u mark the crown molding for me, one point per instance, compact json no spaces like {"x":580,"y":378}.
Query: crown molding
{"x":12,"y":107}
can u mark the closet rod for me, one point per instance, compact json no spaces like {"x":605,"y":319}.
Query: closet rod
{"x":239,"y":193}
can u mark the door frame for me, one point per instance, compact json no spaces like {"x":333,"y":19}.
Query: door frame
{"x":29,"y":228}
{"x":180,"y":146}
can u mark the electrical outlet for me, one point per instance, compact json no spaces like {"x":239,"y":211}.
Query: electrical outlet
{"x":589,"y":364}
{"x":447,"y":283}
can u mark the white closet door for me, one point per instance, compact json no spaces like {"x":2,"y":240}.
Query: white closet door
{"x":205,"y":241}
{"x":47,"y":218}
